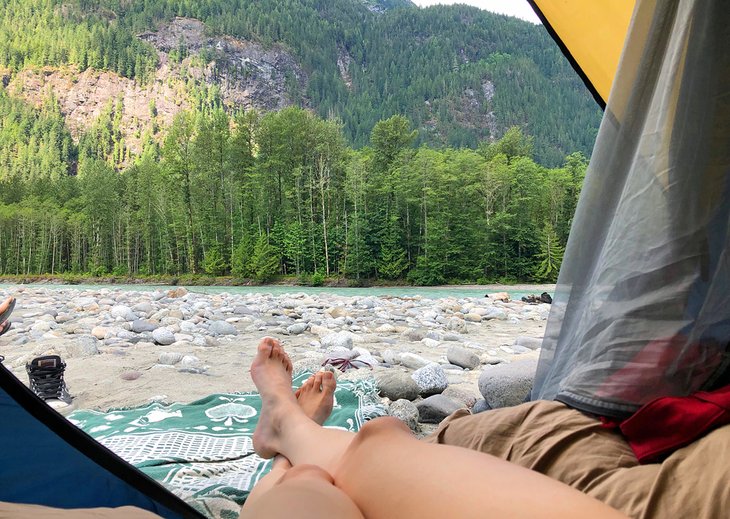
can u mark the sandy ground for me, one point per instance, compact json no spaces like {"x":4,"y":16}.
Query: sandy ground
{"x":125,"y":373}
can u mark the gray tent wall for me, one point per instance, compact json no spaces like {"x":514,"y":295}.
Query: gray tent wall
{"x":46,"y":460}
{"x":642,"y":305}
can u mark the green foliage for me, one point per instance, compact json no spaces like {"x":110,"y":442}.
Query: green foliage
{"x":265,"y":260}
{"x":317,"y":279}
{"x":462,"y":75}
{"x":551,"y":254}
{"x":213,"y":263}
{"x":279,"y":194}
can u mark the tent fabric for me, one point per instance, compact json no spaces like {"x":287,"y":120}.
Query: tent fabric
{"x":641,"y":305}
{"x":48,"y":461}
{"x":591,"y":34}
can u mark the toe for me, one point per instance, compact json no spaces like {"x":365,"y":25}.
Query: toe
{"x":329,"y":383}
{"x":318,"y":381}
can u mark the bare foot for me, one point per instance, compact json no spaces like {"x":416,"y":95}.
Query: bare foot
{"x":316,"y":396}
{"x":271,"y":372}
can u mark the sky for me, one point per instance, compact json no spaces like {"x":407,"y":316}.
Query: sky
{"x":518,"y":8}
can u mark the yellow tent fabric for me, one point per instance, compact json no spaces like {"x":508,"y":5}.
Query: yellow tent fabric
{"x":592,"y":33}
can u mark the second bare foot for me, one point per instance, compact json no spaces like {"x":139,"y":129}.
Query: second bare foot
{"x":316,"y":396}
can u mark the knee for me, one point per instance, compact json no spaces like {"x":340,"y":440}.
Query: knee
{"x":307,"y":473}
{"x":383,"y":425}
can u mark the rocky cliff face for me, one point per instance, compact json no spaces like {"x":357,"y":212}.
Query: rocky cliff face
{"x":247,"y":75}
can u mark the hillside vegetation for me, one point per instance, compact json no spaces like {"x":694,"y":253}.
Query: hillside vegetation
{"x":309,"y":138}
{"x":460,"y":75}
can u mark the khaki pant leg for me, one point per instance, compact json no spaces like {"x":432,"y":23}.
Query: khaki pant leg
{"x":560,"y":442}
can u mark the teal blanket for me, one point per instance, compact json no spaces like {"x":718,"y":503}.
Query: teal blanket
{"x":202,"y":451}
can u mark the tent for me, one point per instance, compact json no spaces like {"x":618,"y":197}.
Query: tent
{"x":639,"y":307}
{"x":48,"y":461}
{"x":640,"y":304}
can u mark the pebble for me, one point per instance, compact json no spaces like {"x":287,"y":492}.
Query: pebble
{"x":163,"y":336}
{"x":415,"y":345}
{"x":222,"y":328}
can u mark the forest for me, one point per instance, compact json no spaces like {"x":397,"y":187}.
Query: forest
{"x":460,"y":75}
{"x":256,"y":196}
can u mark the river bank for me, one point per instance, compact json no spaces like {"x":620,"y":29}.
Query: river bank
{"x":128,"y":347}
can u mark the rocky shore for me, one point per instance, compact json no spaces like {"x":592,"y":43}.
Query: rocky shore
{"x":430,"y":356}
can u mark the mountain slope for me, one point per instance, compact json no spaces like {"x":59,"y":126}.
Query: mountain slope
{"x":460,"y":74}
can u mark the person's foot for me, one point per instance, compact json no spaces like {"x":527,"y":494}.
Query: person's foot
{"x":271,"y":372}
{"x":6,"y":308}
{"x":316,"y":396}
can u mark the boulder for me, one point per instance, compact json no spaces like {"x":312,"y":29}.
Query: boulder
{"x":297,"y":328}
{"x":480,"y":406}
{"x":430,"y":379}
{"x":506,"y":385}
{"x":406,"y":411}
{"x":461,"y":396}
{"x":411,"y":360}
{"x":435,"y":408}
{"x":462,"y":357}
{"x":397,"y":385}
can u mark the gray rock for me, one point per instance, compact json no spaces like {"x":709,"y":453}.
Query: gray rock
{"x":436,"y":336}
{"x":506,"y":385}
{"x":170,"y":358}
{"x":141,"y":325}
{"x":143,"y":307}
{"x":453,"y":337}
{"x":430,"y":379}
{"x":495,"y":313}
{"x":414,"y":335}
{"x":456,"y":325}
{"x":411,"y":360}
{"x":163,"y":336}
{"x":124,"y":312}
{"x":461,"y":396}
{"x":490,"y":359}
{"x":406,"y":411}
{"x":297,"y":328}
{"x":397,"y":385}
{"x":337,"y":340}
{"x":435,"y":408}
{"x":520,"y":349}
{"x":222,"y":328}
{"x":480,"y":406}
{"x":528,"y":342}
{"x":82,"y":346}
{"x":190,"y":361}
{"x":429,"y":343}
{"x":462,"y":357}
{"x":243,"y":310}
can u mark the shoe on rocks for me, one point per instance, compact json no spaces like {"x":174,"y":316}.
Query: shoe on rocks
{"x":46,"y":380}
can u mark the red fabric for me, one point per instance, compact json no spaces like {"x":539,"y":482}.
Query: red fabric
{"x":664,"y":425}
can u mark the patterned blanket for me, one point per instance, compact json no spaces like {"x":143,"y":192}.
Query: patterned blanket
{"x":202,"y":451}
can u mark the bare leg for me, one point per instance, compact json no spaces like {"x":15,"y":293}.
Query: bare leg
{"x":386,"y":472}
{"x":315,"y":397}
